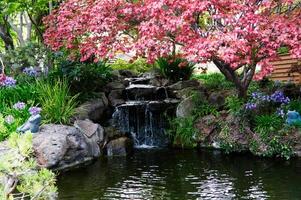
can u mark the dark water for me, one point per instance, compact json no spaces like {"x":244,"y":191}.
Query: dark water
{"x":176,"y":174}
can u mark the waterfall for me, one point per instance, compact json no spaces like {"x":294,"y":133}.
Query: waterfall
{"x":145,"y":114}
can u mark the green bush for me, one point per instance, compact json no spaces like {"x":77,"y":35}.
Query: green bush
{"x":58,"y":106}
{"x":267,"y":124}
{"x":82,"y":77}
{"x":183,"y":131}
{"x":203,"y":109}
{"x":278,"y":147}
{"x":214,"y":81}
{"x":19,"y":163}
{"x":138,"y":66}
{"x":30,"y":55}
{"x":295,"y":105}
{"x":234,"y":104}
{"x":4,"y":132}
{"x":21,"y":92}
{"x":175,"y":68}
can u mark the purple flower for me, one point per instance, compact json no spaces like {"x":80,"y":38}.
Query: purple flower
{"x":19,"y":105}
{"x":30,"y":71}
{"x":8,"y":82}
{"x":279,"y":97}
{"x":251,"y":106}
{"x":35,"y":110}
{"x":9,"y":119}
{"x":256,"y":95}
{"x":280,"y":112}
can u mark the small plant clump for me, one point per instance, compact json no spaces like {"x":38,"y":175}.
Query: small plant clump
{"x":175,"y":68}
{"x":20,"y":174}
{"x":214,"y":81}
{"x":58,"y":106}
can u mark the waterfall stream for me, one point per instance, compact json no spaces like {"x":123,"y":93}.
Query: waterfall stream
{"x":145,"y":114}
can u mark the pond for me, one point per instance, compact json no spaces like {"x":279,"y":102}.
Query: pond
{"x":183,"y":174}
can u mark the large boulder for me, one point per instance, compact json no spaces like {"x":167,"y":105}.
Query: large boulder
{"x":61,"y":146}
{"x":120,"y":147}
{"x":217,"y":99}
{"x":207,"y":127}
{"x":113,"y":133}
{"x":94,"y":109}
{"x":116,"y":85}
{"x":223,"y":131}
{"x":94,"y":135}
{"x":116,"y":97}
{"x":186,"y":107}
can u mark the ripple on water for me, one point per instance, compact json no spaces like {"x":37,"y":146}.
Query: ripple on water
{"x":182,"y":175}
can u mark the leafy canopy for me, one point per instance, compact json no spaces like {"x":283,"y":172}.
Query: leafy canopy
{"x":234,"y":34}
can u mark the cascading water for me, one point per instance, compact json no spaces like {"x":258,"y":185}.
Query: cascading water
{"x":145,"y":114}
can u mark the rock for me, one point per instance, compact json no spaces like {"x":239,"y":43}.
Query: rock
{"x":94,"y":135}
{"x":122,"y":74}
{"x":224,"y":129}
{"x":187,"y":92}
{"x":116,"y":97}
{"x":95,"y":109}
{"x":141,"y":92}
{"x":112,"y":133}
{"x":120,"y":147}
{"x":184,"y":84}
{"x":32,"y":124}
{"x":116,"y":85}
{"x":159,"y":82}
{"x":294,"y":139}
{"x":126,"y":73}
{"x":217,"y":99}
{"x":206,"y":126}
{"x":236,"y":132}
{"x":61,"y":147}
{"x":186,"y":107}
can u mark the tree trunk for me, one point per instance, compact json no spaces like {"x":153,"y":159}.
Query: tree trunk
{"x":242,"y":92}
{"x":6,"y":36}
{"x":241,"y":85}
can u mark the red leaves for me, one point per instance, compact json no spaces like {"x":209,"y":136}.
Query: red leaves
{"x":239,"y":33}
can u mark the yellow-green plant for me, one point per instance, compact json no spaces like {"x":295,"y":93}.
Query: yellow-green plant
{"x":20,"y":173}
{"x":3,"y":129}
{"x":138,"y":66}
{"x":58,"y":106}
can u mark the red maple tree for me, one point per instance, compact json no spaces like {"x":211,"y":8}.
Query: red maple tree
{"x":241,"y":37}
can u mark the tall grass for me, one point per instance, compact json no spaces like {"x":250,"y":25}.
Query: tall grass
{"x":58,"y":106}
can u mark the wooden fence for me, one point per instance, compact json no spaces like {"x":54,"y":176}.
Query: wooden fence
{"x":287,"y":69}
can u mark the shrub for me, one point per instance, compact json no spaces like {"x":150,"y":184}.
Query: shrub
{"x":234,"y":104}
{"x":57,"y":104}
{"x":139,"y":65}
{"x":267,"y":124}
{"x":4,"y":133}
{"x":183,"y":131}
{"x":21,"y":92}
{"x":19,"y":164}
{"x":214,"y":81}
{"x":82,"y":77}
{"x":30,"y":55}
{"x":175,"y":68}
{"x":295,"y":105}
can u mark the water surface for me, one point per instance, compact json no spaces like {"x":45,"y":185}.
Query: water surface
{"x":178,"y":174}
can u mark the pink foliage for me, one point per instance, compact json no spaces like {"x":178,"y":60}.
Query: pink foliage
{"x":239,"y":33}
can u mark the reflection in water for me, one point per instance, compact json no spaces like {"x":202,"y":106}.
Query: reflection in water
{"x":170,"y":174}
